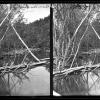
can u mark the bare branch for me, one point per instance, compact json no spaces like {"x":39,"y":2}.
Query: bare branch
{"x":78,"y":46}
{"x":25,"y":44}
{"x":9,"y":69}
{"x":5,"y":17}
{"x":75,"y":34}
{"x":4,"y":34}
{"x":95,"y":31}
{"x":81,"y":23}
{"x":68,"y":71}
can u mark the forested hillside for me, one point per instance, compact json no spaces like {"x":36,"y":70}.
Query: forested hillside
{"x":35,"y":35}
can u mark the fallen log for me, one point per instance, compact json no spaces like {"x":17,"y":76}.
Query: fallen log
{"x":14,"y":68}
{"x":76,"y":69}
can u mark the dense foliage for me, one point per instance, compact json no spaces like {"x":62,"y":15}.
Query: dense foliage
{"x":35,"y":35}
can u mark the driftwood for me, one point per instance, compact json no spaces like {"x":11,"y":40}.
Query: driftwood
{"x":19,"y":68}
{"x":79,"y":69}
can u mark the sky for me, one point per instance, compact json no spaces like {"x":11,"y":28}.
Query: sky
{"x":33,"y":14}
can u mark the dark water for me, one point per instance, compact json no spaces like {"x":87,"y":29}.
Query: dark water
{"x":69,"y":86}
{"x":77,"y":85}
{"x":37,"y":85}
{"x":3,"y":88}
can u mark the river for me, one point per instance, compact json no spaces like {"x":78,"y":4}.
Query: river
{"x":76,"y":85}
{"x":37,"y":85}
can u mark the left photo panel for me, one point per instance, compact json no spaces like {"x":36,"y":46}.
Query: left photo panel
{"x":24,"y":49}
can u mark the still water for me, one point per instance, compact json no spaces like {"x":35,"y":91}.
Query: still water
{"x":37,"y":85}
{"x":88,"y":85}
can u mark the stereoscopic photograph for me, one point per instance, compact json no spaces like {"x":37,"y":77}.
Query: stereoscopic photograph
{"x":76,"y":49}
{"x":25,"y":61}
{"x":24,"y":49}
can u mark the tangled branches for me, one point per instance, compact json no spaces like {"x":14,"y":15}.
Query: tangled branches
{"x":71,"y":31}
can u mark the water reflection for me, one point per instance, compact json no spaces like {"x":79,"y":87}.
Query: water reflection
{"x":3,"y":88}
{"x":38,"y":83}
{"x":87,"y":84}
{"x":71,"y":85}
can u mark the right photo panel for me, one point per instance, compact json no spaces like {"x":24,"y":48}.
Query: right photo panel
{"x":76,"y":49}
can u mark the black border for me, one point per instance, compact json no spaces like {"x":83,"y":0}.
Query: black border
{"x":51,"y":48}
{"x":51,"y":51}
{"x":25,"y":1}
{"x":48,"y":1}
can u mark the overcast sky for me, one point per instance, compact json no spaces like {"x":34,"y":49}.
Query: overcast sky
{"x":35,"y":12}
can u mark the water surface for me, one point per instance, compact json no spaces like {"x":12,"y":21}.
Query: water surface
{"x":38,"y":83}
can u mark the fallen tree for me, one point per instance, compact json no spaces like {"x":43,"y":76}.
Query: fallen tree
{"x":79,"y":69}
{"x":21,"y":67}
